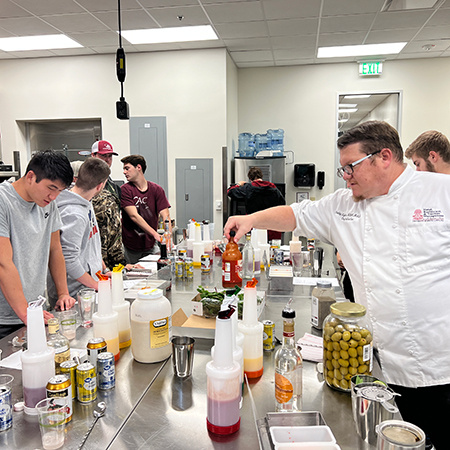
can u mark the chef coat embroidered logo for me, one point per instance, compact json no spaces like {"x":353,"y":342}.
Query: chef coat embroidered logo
{"x":348,"y":216}
{"x":428,"y":215}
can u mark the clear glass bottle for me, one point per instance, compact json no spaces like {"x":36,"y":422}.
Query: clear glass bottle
{"x":58,"y":342}
{"x":347,"y":345}
{"x":167,"y":236}
{"x":248,"y":259}
{"x":288,"y":368}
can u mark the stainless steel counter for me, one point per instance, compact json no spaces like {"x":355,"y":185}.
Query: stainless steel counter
{"x":149,"y":408}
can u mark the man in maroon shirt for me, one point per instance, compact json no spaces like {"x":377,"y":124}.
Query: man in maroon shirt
{"x":142,"y":202}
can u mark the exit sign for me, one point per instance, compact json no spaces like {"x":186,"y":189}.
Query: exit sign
{"x":370,"y":68}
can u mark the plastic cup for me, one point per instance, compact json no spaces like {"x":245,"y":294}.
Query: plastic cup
{"x":182,"y":356}
{"x":297,"y":263}
{"x":86,"y":305}
{"x":6,"y":409}
{"x":52,"y":417}
{"x":68,"y":323}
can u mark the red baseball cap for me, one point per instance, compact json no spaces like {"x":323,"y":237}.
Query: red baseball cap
{"x":103,"y":148}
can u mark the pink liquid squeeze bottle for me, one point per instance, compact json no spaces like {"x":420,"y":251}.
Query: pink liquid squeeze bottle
{"x":38,"y":361}
{"x":223,"y":383}
{"x":253,"y":333}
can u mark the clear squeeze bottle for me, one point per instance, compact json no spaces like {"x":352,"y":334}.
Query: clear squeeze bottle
{"x":106,"y":320}
{"x":38,"y":361}
{"x":288,"y":368}
{"x":223,"y":380}
{"x":253,"y":333}
{"x":121,"y":306}
{"x":231,"y":264}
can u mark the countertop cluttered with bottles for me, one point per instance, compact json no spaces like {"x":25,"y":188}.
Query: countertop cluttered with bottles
{"x":149,"y":407}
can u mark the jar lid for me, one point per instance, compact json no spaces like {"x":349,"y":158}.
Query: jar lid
{"x":149,"y":294}
{"x":323,"y":284}
{"x":348,"y":309}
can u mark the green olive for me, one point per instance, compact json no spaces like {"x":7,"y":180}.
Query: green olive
{"x":343,"y":362}
{"x":353,"y":362}
{"x":338,"y":374}
{"x":363,"y":368}
{"x":344,"y":384}
{"x":356,"y":335}
{"x":336,"y":336}
{"x":346,"y":335}
{"x":344,"y":345}
{"x":352,"y":352}
{"x":336,"y":355}
{"x":340,"y":328}
{"x":344,"y":354}
{"x":353,"y":343}
{"x":336,"y":346}
{"x":335,"y":363}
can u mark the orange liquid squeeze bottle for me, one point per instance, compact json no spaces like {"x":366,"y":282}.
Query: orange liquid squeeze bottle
{"x":253,"y":333}
{"x":231,"y":264}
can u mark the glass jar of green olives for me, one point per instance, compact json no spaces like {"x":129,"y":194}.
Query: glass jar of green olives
{"x":347,"y":344}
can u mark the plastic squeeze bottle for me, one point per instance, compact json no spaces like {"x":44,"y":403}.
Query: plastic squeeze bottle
{"x":121,"y":306}
{"x":253,"y":333}
{"x":38,"y":361}
{"x":106,"y":320}
{"x":223,"y":381}
{"x":231,"y":264}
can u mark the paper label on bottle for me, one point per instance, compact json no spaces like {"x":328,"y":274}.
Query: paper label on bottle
{"x":197,"y":308}
{"x":159,"y":332}
{"x":315,"y":311}
{"x":283,"y":389}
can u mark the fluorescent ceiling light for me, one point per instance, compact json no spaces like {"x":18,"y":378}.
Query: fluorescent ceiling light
{"x":348,"y":110}
{"x":48,"y":42}
{"x":360,"y":50}
{"x":348,"y":105}
{"x":357,"y":96}
{"x":174,"y":34}
{"x":403,"y":5}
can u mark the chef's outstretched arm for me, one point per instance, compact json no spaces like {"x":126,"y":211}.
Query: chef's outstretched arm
{"x":279,"y":218}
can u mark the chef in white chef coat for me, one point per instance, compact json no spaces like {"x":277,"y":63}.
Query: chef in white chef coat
{"x":392,"y":230}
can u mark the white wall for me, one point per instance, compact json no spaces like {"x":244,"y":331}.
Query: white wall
{"x":302,"y":101}
{"x":188,"y":87}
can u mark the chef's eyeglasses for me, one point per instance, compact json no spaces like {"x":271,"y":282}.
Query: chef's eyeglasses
{"x":348,"y":168}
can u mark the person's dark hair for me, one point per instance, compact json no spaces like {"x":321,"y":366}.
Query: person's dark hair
{"x":373,"y":136}
{"x":52,"y":166}
{"x":92,"y":172}
{"x":134,"y":160}
{"x":254,"y":173}
{"x":429,"y":141}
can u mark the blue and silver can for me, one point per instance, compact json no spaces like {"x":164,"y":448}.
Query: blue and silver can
{"x":5,"y":404}
{"x":106,"y":371}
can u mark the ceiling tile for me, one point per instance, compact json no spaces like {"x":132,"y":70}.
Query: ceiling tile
{"x":308,"y":41}
{"x":162,"y":3}
{"x":443,"y":18}
{"x":130,"y":20}
{"x":27,"y":26}
{"x":247,"y":44}
{"x":431,"y":33}
{"x":283,"y":54}
{"x":242,"y":30}
{"x":235,"y":12}
{"x":384,"y":36}
{"x":342,"y":7}
{"x":10,"y":9}
{"x":107,"y":5}
{"x":75,"y":23}
{"x":168,"y":17}
{"x":290,"y":9}
{"x":400,"y":19}
{"x":332,"y":39}
{"x":287,"y":27}
{"x":257,"y":55}
{"x":40,"y":7}
{"x":359,"y":22}
{"x":73,"y":51}
{"x":248,"y":64}
{"x":95,"y":39}
{"x":417,"y":46}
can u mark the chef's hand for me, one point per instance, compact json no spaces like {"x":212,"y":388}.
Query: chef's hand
{"x":339,"y":261}
{"x":64,"y":302}
{"x":240,"y":224}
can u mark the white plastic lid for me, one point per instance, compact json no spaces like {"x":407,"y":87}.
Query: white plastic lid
{"x":149,"y":294}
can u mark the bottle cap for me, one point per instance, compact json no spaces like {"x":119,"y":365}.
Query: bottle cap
{"x":232,"y":233}
{"x":288,"y":313}
{"x":324,"y":284}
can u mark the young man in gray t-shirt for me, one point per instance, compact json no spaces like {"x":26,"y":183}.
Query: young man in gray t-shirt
{"x":29,"y":238}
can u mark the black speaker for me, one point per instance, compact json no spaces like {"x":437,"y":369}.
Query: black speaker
{"x":320,"y":179}
{"x":304,"y":175}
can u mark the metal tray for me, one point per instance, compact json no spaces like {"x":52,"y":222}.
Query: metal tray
{"x":304,"y":418}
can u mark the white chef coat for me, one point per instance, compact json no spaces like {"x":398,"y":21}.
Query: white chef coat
{"x":396,"y":248}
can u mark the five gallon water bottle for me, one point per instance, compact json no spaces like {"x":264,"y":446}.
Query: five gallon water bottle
{"x":246,"y":145}
{"x":276,"y":138}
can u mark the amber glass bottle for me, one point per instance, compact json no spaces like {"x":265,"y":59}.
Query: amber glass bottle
{"x":231,"y":264}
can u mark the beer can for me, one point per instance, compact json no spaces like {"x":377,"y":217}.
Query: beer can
{"x":189,"y":268}
{"x":182,"y":253}
{"x":60,"y":386}
{"x":5,"y":408}
{"x":106,"y":371}
{"x":179,"y":268}
{"x":205,"y":263}
{"x":70,"y":368}
{"x":86,"y":383}
{"x":94,"y":347}
{"x":268,"y":339}
{"x":279,"y":256}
